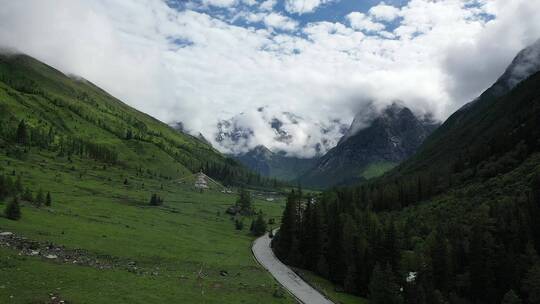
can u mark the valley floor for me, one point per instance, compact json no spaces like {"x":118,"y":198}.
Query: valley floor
{"x":113,"y":247}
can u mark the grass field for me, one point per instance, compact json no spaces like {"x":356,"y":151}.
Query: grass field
{"x":188,"y":241}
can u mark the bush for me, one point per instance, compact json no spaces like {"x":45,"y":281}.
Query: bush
{"x":279,"y":293}
{"x":155,"y":200}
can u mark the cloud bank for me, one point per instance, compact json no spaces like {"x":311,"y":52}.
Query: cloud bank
{"x":208,"y":61}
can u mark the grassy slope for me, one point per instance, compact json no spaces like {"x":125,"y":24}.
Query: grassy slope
{"x":93,"y":209}
{"x":78,"y":108}
{"x":109,"y":218}
{"x":377,"y":169}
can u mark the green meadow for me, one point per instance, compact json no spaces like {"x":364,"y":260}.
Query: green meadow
{"x":188,"y":241}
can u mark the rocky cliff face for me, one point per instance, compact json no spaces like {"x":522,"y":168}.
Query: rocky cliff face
{"x":391,"y":137}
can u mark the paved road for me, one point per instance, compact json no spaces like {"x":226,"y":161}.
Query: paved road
{"x":284,"y":275}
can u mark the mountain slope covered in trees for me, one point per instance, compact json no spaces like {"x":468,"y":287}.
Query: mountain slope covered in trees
{"x":70,"y":115}
{"x":456,"y":223}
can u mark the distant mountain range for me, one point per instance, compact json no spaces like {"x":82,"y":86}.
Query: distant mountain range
{"x":366,"y":149}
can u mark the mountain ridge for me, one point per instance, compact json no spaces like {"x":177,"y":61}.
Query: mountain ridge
{"x":392,"y":136}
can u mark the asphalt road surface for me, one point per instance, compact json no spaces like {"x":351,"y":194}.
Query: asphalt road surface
{"x":303,"y":292}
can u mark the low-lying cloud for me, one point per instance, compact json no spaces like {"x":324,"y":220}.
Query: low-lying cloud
{"x":200,"y":67}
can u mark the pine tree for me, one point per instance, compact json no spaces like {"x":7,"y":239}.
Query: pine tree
{"x":439,"y":258}
{"x":259,"y":226}
{"x":18,"y":185}
{"x":288,"y":228}
{"x":3,"y":187}
{"x":48,"y":199}
{"x":27,"y":195}
{"x":511,"y":298}
{"x":244,"y":202}
{"x":22,"y":133}
{"x":40,"y":198}
{"x":383,"y":287}
{"x":129,"y":134}
{"x":531,"y":283}
{"x":13,"y":210}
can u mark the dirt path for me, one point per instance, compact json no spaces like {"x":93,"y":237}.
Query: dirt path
{"x":303,"y":292}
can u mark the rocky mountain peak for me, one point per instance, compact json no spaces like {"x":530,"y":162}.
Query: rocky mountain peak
{"x":526,"y":63}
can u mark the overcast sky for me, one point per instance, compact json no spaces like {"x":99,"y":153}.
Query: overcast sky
{"x":206,"y":60}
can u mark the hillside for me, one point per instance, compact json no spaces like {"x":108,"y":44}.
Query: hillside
{"x":456,"y":223}
{"x":276,"y":165}
{"x":392,"y":136}
{"x":65,"y":112}
{"x":99,"y":163}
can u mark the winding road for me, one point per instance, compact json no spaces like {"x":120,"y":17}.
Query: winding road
{"x":301,"y":290}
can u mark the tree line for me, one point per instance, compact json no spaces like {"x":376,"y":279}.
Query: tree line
{"x":482,"y":253}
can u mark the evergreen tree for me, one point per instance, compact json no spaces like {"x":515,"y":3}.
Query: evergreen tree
{"x":13,"y":210}
{"x":40,"y":198}
{"x":153,"y":200}
{"x":27,"y":195}
{"x":48,"y":199}
{"x":288,"y":227}
{"x":3,"y":187}
{"x":511,"y":298}
{"x":238,"y":224}
{"x":129,"y":134}
{"x":18,"y":185}
{"x":531,"y":283}
{"x":259,"y":226}
{"x":383,"y":287}
{"x":244,"y":202}
{"x":22,"y":133}
{"x":295,"y":256}
{"x":439,"y":261}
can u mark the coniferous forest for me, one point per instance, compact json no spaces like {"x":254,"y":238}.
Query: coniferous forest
{"x":457,"y":223}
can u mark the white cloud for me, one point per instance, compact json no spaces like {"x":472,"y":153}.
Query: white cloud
{"x":359,"y":21}
{"x":267,"y":5}
{"x":219,"y":3}
{"x":303,"y":6}
{"x":442,"y":54}
{"x":384,"y":12}
{"x":278,"y":21}
{"x":249,"y":2}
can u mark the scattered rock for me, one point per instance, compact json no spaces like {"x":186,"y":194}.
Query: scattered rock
{"x":223,"y":273}
{"x":51,"y":256}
